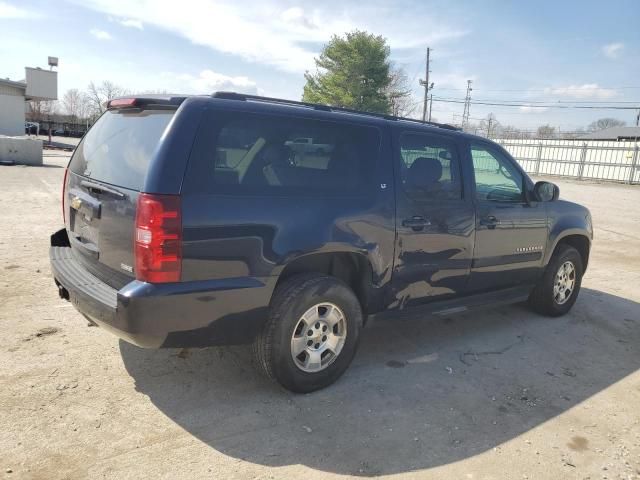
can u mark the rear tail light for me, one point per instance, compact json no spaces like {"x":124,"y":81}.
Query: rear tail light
{"x":121,"y":103}
{"x":64,"y":190}
{"x":158,"y":238}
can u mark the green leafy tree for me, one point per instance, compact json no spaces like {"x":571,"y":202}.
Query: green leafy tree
{"x":353,"y":71}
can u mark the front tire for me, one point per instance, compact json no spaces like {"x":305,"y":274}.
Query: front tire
{"x":560,"y":284}
{"x":312,"y":332}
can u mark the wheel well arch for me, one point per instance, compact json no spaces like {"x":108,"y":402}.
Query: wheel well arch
{"x":581,"y":243}
{"x":352,"y":268}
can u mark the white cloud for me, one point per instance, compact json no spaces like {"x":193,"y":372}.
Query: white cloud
{"x":100,"y":34}
{"x":131,"y":23}
{"x":613,"y":50}
{"x":267,"y":33}
{"x":533,"y":109}
{"x":588,"y":90}
{"x":10,"y":11}
{"x":207,"y":82}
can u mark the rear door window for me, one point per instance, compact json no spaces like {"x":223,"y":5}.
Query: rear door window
{"x":429,"y":167}
{"x":118,"y":148}
{"x":268,"y":154}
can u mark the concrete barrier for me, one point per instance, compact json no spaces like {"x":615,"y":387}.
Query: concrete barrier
{"x":23,"y":151}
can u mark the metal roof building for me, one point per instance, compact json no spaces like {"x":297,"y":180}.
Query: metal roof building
{"x":614,"y":133}
{"x":38,"y":84}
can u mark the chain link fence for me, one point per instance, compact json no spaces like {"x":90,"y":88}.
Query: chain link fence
{"x":592,"y":160}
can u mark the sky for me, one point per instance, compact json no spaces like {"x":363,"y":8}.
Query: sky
{"x":556,"y":52}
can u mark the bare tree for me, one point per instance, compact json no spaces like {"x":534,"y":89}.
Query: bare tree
{"x":510,"y":132}
{"x":110,"y":90}
{"x":399,"y":94}
{"x":153,"y":92}
{"x":95,"y":99}
{"x":42,"y":110}
{"x":75,"y":104}
{"x":603,"y":123}
{"x":546,"y":131}
{"x":99,"y":95}
{"x":490,"y":126}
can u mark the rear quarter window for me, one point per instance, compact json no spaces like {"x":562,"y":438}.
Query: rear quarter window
{"x":248,"y":153}
{"x":118,"y":148}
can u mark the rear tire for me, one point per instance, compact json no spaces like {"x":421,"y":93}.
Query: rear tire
{"x":312,"y":332}
{"x":559,"y":286}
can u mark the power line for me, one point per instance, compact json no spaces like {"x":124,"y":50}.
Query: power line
{"x":548,"y":89}
{"x":636,"y":102}
{"x":537,"y":104}
{"x":592,"y":107}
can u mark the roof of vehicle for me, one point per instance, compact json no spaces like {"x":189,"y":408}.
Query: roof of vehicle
{"x":243,"y":101}
{"x":325,"y":108}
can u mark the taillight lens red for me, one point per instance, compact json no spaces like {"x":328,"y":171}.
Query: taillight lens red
{"x":121,"y":103}
{"x":158,"y":238}
{"x":64,"y":190}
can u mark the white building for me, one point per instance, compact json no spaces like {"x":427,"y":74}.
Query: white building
{"x":38,"y":84}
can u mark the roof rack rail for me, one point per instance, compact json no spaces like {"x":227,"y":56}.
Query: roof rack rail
{"x":326,"y":108}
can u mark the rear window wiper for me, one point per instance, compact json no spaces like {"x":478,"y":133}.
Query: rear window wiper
{"x":99,"y":188}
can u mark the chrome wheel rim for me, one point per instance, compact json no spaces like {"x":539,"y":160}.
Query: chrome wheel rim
{"x":318,"y":337}
{"x":564,"y":283}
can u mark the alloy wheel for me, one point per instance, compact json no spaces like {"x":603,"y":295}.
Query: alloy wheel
{"x":564,"y":283}
{"x":318,"y":337}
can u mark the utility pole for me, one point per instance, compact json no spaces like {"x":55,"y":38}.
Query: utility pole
{"x":430,"y":103}
{"x":425,"y":84}
{"x":638,"y":119}
{"x":467,"y":105}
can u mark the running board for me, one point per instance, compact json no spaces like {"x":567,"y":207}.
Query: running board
{"x":458,"y":305}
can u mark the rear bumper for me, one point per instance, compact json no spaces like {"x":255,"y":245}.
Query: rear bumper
{"x":186,"y":314}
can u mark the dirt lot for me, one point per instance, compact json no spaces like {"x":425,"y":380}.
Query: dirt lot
{"x":496,"y":394}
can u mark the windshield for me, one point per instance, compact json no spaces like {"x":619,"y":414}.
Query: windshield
{"x":118,"y":148}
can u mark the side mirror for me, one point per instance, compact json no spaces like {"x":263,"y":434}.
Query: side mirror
{"x":546,"y":191}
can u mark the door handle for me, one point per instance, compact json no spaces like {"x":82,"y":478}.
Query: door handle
{"x":489,"y":221}
{"x":416,"y":223}
{"x":90,"y":248}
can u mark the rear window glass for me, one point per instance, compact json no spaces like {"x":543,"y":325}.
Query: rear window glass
{"x":118,"y":148}
{"x":264,"y":154}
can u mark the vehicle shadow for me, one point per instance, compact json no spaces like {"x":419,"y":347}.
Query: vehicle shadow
{"x":42,"y":165}
{"x":420,"y":393}
{"x":50,"y":165}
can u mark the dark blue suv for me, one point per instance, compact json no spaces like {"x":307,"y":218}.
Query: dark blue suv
{"x":226,"y":219}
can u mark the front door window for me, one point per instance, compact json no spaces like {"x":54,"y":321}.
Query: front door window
{"x":497,"y":179}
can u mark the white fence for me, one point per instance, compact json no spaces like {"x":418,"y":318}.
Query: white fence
{"x":595,"y":160}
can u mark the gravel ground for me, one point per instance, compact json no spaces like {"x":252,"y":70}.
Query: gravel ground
{"x":491,"y":394}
